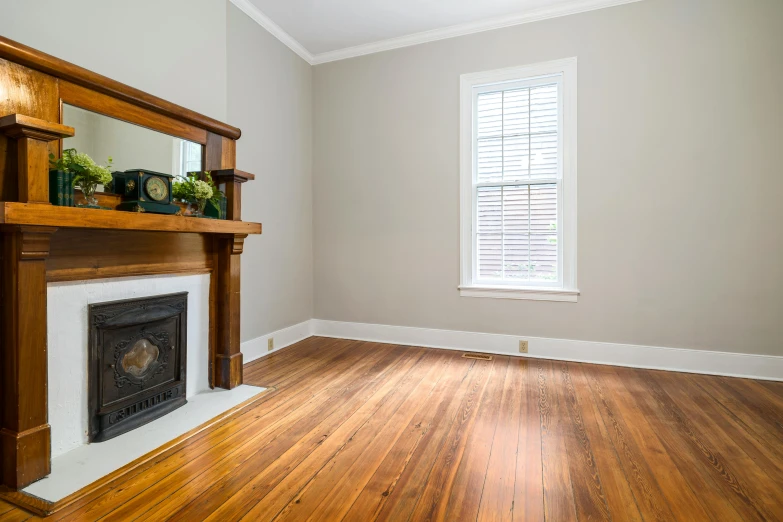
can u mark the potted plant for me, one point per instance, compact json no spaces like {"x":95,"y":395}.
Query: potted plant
{"x":86,"y":174}
{"x":196,"y":192}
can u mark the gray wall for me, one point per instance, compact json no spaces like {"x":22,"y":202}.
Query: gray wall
{"x":208,"y":56}
{"x":270,"y":99}
{"x":175,"y":49}
{"x":680,"y":132}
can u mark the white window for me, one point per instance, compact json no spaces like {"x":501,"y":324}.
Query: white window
{"x":188,"y":157}
{"x":518,"y":182}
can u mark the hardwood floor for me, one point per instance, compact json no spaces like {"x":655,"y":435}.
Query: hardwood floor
{"x":361,"y":431}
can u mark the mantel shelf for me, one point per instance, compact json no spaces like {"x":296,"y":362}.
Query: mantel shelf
{"x":12,"y":213}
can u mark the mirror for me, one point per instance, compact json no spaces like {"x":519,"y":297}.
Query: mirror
{"x":129,"y":145}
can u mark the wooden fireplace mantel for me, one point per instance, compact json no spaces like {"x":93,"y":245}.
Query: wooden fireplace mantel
{"x":41,"y":243}
{"x":13,"y":213}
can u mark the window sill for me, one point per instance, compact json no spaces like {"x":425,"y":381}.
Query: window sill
{"x":533,"y":294}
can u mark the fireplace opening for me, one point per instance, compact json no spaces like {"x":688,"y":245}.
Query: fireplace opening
{"x":137,"y":363}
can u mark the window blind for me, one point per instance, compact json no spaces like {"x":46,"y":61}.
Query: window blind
{"x":516,"y":184}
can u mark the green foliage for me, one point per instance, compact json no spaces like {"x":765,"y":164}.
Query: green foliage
{"x":87,"y":173}
{"x":194,"y":189}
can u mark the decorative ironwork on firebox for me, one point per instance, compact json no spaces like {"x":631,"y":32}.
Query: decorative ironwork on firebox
{"x":140,"y":357}
{"x":137,"y":362}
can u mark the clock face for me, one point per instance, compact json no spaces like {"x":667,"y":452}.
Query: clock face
{"x":156,"y":188}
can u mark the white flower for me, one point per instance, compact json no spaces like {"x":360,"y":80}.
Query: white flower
{"x":202,"y":190}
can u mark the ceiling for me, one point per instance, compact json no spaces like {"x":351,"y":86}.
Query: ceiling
{"x":326,"y":30}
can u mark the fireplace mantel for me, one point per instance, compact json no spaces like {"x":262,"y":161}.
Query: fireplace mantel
{"x":43,"y":243}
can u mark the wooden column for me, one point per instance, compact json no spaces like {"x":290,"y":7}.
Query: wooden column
{"x":228,"y":357}
{"x":230,"y":181}
{"x":25,"y":436}
{"x":32,"y":137}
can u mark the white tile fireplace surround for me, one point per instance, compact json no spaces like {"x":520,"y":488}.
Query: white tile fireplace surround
{"x":69,"y":340}
{"x":75,"y":463}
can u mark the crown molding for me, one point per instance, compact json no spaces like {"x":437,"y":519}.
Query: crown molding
{"x":275,"y":30}
{"x":534,"y":15}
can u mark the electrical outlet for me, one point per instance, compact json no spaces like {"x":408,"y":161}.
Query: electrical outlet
{"x":270,"y":344}
{"x":522,"y":346}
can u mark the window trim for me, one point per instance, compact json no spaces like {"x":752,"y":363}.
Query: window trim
{"x":472,"y":83}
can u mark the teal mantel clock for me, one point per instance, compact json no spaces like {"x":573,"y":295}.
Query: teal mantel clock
{"x":144,"y":191}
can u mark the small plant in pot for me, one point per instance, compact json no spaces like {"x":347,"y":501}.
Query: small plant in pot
{"x":196,"y":192}
{"x":87,"y":174}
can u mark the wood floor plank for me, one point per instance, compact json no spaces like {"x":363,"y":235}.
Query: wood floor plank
{"x":703,"y":451}
{"x":16,"y":515}
{"x":363,"y":431}
{"x":634,"y":457}
{"x":470,"y":478}
{"x":529,"y":477}
{"x":5,"y":507}
{"x":617,"y":488}
{"x":394,"y":471}
{"x":238,"y":492}
{"x":589,"y":496}
{"x":755,"y":398}
{"x":334,"y":456}
{"x":741,"y":417}
{"x":497,"y":492}
{"x":693,"y":489}
{"x":353,"y":482}
{"x":776,"y":388}
{"x":747,"y":458}
{"x":402,"y":494}
{"x":433,"y":501}
{"x":352,"y":466}
{"x":559,"y":502}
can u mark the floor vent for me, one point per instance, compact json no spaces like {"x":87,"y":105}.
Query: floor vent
{"x":479,"y":356}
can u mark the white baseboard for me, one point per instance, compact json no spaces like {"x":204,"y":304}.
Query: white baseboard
{"x":257,"y":348}
{"x":764,"y":367}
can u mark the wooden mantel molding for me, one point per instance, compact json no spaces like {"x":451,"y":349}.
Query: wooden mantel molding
{"x":13,"y":213}
{"x":21,"y":126}
{"x":34,"y":59}
{"x":32,"y":136}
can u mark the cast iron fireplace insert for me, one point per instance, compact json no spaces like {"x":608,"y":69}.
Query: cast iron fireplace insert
{"x":137,"y":362}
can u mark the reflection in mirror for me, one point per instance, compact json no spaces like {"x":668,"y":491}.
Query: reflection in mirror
{"x":129,"y":145}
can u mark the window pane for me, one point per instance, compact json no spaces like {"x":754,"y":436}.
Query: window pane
{"x":516,"y":221}
{"x":517,"y":233}
{"x":516,"y":158}
{"x":490,"y":255}
{"x":543,"y":109}
{"x":489,"y":210}
{"x":516,"y":111}
{"x":517,"y":135}
{"x":490,"y":160}
{"x":543,"y":232}
{"x":543,"y":155}
{"x":516,"y":258}
{"x":490,"y":114}
{"x":543,"y":258}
